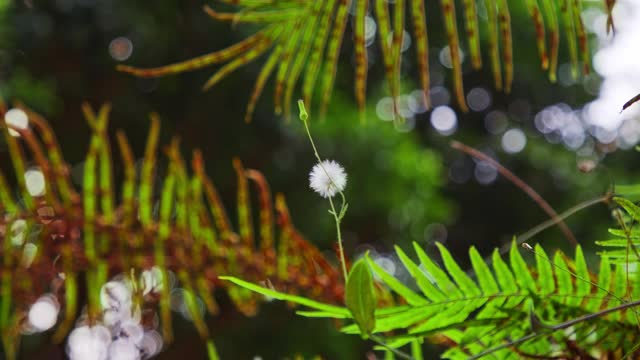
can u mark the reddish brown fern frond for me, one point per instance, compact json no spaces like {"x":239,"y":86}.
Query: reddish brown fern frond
{"x":93,"y":233}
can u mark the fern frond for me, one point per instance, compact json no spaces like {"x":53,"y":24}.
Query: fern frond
{"x":511,"y":310}
{"x":308,"y":36}
{"x":624,"y":247}
{"x":93,"y":233}
{"x":496,"y":307}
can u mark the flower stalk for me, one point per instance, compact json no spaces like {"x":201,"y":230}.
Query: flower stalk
{"x":334,"y":178}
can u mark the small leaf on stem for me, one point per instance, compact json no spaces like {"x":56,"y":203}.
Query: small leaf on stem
{"x":360,"y":297}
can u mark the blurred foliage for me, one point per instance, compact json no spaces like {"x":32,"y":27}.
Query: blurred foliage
{"x":395,"y":196}
{"x":21,"y":85}
{"x":55,"y":55}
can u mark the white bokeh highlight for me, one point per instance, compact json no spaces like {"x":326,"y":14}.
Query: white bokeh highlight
{"x":43,"y":314}
{"x":35,"y":182}
{"x":18,"y":119}
{"x":444,"y":120}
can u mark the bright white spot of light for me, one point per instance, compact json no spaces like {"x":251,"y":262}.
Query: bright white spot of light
{"x":89,"y":343}
{"x":370,"y":28}
{"x":444,"y":120}
{"x":120,"y":48}
{"x":43,"y":314}
{"x":514,"y":141}
{"x":34,"y":181}
{"x":18,"y":119}
{"x":151,"y":280}
{"x":617,"y":62}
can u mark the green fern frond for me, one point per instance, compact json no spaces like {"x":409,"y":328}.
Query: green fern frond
{"x":624,"y":247}
{"x":307,"y":36}
{"x":511,"y":310}
{"x":553,"y":291}
{"x":96,"y":233}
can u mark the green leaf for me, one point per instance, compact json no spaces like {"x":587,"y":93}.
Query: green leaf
{"x":360,"y":297}
{"x":545,"y":272}
{"x":563,"y":278}
{"x":520,"y":269}
{"x":416,"y":349}
{"x":629,"y":207}
{"x":604,"y":283}
{"x":321,"y":314}
{"x":631,"y":191}
{"x":583,"y":281}
{"x":292,"y":298}
{"x":468,"y":287}
{"x":424,"y":283}
{"x":443,"y":281}
{"x":487,"y":282}
{"x":411,"y":297}
{"x":504,"y":274}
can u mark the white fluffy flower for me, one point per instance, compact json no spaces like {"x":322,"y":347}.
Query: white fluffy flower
{"x":327,"y":178}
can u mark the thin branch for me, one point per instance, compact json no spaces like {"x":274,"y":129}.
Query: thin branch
{"x":547,"y":224}
{"x":397,"y":352}
{"x":520,"y":184}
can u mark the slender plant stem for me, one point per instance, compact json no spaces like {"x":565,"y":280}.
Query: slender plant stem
{"x":397,"y":352}
{"x":313,"y":145}
{"x":337,"y":216}
{"x":547,"y":224}
{"x":340,"y":248}
{"x":520,"y":184}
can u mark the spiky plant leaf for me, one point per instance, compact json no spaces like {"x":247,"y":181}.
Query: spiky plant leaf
{"x":304,"y":39}
{"x":513,"y":311}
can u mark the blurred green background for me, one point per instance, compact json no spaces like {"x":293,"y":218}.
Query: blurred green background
{"x":405,"y":182}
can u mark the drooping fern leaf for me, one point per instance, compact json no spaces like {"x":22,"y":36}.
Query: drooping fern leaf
{"x":511,"y":310}
{"x":61,"y":234}
{"x":624,"y":247}
{"x":306,"y":37}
